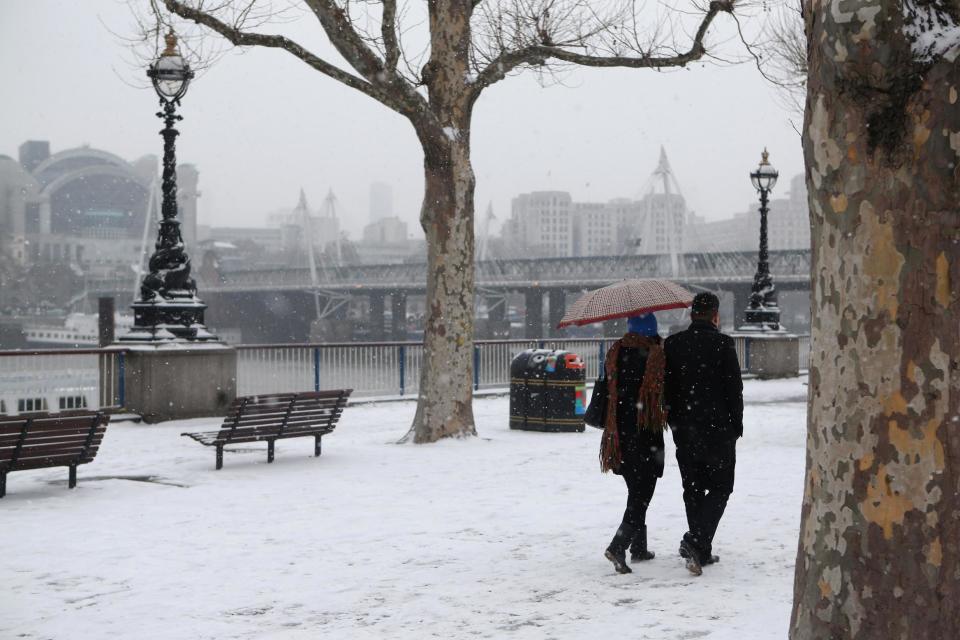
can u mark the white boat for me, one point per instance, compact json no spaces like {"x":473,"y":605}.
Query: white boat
{"x":77,"y":330}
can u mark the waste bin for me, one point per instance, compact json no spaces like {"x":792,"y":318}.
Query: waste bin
{"x":547,"y":391}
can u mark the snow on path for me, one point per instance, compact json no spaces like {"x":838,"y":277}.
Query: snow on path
{"x":496,"y":537}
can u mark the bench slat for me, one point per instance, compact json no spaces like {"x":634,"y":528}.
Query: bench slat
{"x":256,"y":437}
{"x":6,"y":440}
{"x":297,"y":417}
{"x":47,"y":444}
{"x":274,"y":426}
{"x":53,"y":433}
{"x":280,"y":410}
{"x":7,"y":453}
{"x":47,"y":425}
{"x":48,"y":452}
{"x":43,"y":463}
{"x":78,"y":441}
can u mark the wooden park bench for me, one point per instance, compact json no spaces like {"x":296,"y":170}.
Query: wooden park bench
{"x":40,"y":440}
{"x":275,"y":417}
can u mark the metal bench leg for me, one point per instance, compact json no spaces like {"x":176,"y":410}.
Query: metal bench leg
{"x":270,"y":451}
{"x":219,"y":458}
{"x":316,"y":446}
{"x":3,"y":484}
{"x":73,"y":476}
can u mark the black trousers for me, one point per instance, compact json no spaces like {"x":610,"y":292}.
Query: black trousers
{"x":641,"y":482}
{"x":707,"y":470}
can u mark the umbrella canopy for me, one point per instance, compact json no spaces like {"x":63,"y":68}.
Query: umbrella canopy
{"x":624,"y":299}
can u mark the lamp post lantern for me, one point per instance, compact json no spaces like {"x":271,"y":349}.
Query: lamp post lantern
{"x":763,"y":313}
{"x":168,"y":308}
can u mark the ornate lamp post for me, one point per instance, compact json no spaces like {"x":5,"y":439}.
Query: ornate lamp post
{"x":763,"y":312}
{"x":168,"y":308}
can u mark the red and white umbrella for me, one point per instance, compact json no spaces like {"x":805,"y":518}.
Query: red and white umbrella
{"x":625,"y":299}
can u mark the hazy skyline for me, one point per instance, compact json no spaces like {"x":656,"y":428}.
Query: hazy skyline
{"x":259,"y":125}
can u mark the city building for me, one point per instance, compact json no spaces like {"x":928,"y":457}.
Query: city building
{"x":86,"y":208}
{"x":387,"y":241}
{"x":381,"y":201}
{"x":541,"y":224}
{"x":551,"y":224}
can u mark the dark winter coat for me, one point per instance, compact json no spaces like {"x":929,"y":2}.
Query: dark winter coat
{"x":704,"y":390}
{"x":638,"y":447}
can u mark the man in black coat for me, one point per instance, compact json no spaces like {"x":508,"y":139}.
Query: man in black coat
{"x":704,"y":394}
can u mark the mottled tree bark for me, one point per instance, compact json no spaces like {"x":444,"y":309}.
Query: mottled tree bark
{"x":879,"y":548}
{"x":446,"y":380}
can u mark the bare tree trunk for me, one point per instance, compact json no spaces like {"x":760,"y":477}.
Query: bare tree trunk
{"x":446,"y":379}
{"x":445,"y":405}
{"x":879,"y":548}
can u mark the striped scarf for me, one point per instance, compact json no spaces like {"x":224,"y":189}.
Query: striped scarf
{"x":651,"y":413}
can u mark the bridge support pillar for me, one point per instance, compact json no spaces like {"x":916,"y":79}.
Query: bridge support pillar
{"x":534,"y":313}
{"x":495,"y":325}
{"x":398,"y":316}
{"x":496,"y":308}
{"x":558,"y":306}
{"x":376,"y":320}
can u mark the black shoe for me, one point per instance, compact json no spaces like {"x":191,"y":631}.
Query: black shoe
{"x":617,"y":551}
{"x":705,"y":559}
{"x":638,"y":547}
{"x":692,"y":557}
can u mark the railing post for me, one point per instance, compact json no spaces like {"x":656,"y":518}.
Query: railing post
{"x":121,"y":381}
{"x":476,"y":367}
{"x":746,"y":354}
{"x":316,"y":368}
{"x":402,"y":361}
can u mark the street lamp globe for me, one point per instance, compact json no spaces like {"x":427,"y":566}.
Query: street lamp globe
{"x":765,"y":177}
{"x":170,"y":73}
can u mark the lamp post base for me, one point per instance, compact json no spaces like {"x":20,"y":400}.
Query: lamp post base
{"x":762,"y":319}
{"x":168,"y":321}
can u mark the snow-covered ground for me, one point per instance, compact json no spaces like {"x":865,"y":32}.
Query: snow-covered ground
{"x":501,"y":536}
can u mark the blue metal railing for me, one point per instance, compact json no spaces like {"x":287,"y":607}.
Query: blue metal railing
{"x":97,"y":377}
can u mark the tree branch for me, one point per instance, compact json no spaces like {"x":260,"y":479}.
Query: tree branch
{"x":348,"y":42}
{"x":388,"y":27}
{"x":342,"y":34}
{"x":396,"y":94}
{"x":539,"y":54}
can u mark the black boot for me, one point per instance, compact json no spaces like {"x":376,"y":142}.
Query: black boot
{"x":617,"y":551}
{"x":638,"y":547}
{"x":705,"y":558}
{"x":692,"y":556}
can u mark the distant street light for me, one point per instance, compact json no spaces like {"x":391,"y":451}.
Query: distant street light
{"x":168,"y":308}
{"x":763,"y":313}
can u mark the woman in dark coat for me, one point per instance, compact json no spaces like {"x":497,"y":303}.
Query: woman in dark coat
{"x":632,"y":443}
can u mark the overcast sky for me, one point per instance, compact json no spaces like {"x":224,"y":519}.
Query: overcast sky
{"x":261,"y":124}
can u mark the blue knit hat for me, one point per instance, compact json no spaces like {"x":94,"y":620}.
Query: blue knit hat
{"x":645,"y":325}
